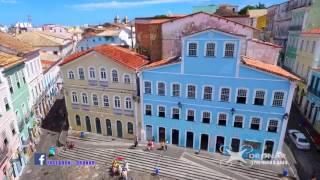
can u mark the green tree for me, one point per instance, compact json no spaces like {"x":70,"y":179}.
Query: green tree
{"x":245,"y":9}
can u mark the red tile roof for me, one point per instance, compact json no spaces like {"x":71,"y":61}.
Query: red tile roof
{"x":312,"y":31}
{"x":121,"y":55}
{"x":268,"y":68}
{"x":163,"y":62}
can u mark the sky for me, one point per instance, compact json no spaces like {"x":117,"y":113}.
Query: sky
{"x":78,"y":12}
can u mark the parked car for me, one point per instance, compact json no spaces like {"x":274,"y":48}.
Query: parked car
{"x":299,"y":139}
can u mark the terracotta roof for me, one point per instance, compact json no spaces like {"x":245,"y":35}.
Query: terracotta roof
{"x":121,"y":55}
{"x":10,"y":42}
{"x":8,"y":60}
{"x":266,"y":43}
{"x":163,"y":62}
{"x":38,"y":39}
{"x":46,"y":64}
{"x":312,"y":31}
{"x":257,"y":64}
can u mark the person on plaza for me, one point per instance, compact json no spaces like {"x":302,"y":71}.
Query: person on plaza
{"x":135,"y":141}
{"x":165,"y":145}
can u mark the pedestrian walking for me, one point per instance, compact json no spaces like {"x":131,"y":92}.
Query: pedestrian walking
{"x":135,"y":141}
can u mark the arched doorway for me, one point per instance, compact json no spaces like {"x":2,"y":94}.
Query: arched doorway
{"x":109,"y":127}
{"x":119,"y":129}
{"x":98,"y":125}
{"x":88,"y":124}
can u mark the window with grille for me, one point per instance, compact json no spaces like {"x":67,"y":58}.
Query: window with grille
{"x":147,"y":87}
{"x":222,"y":119}
{"x":175,"y":90}
{"x":148,"y":110}
{"x":6,"y":102}
{"x":81,"y":74}
{"x":71,"y":75}
{"x":259,"y":98}
{"x":242,"y":96}
{"x":278,"y":98}
{"x":95,"y":100}
{"x":103,"y":74}
{"x":190,"y":115}
{"x":161,"y":89}
{"x":115,"y":76}
{"x":238,"y":122}
{"x":191,"y":91}
{"x":74,"y":97}
{"x":207,"y":94}
{"x":255,"y":123}
{"x":273,"y":126}
{"x":126,"y":79}
{"x":210,"y":49}
{"x":229,"y":50}
{"x":162,"y":111}
{"x":128,"y":103}
{"x":92,"y":73}
{"x":206,"y":117}
{"x":105,"y":101}
{"x":84,"y":98}
{"x":225,"y":95}
{"x":117,"y":102}
{"x":175,"y":113}
{"x":192,"y":49}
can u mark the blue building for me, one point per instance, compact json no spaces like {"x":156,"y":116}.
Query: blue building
{"x":312,"y":106}
{"x":212,"y":98}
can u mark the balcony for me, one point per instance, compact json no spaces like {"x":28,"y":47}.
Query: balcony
{"x":3,"y":155}
{"x":117,"y":111}
{"x":85,"y":107}
{"x":295,"y":28}
{"x":92,"y":82}
{"x":128,"y":113}
{"x":104,"y":83}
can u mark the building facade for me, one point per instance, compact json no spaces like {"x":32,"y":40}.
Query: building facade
{"x":208,"y":99}
{"x":101,"y":92}
{"x":313,"y":100}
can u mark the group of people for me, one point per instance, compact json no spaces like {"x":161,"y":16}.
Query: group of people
{"x":118,"y":169}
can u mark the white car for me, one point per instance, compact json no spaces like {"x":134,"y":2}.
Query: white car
{"x":299,"y":139}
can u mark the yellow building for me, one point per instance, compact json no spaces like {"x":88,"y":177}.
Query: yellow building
{"x":258,"y":18}
{"x":100,"y":87}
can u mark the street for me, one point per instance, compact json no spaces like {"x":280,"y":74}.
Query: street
{"x":308,"y":162}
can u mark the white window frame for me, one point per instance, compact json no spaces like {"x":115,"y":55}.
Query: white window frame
{"x":71,"y":71}
{"x":103,"y":101}
{"x":114,"y":69}
{"x":106,"y":74}
{"x":215,"y":49}
{"x":227,"y":116}
{"x":234,"y":51}
{"x":84,"y":74}
{"x":173,"y":83}
{"x":230,"y":94}
{"x":144,"y":87}
{"x":195,"y":97}
{"x":260,"y":123}
{"x":172,"y":112}
{"x":94,"y":73}
{"x":197,"y":50}
{"x":265,"y":95}
{"x":86,"y":98}
{"x":124,"y":79}
{"x":210,"y":116}
{"x":93,"y":100}
{"x":284,"y":98}
{"x":125,"y":103}
{"x":194,"y":114}
{"x":212,"y":93}
{"x":145,"y":109}
{"x":247,"y":94}
{"x":73,"y":102}
{"x":165,"y":88}
{"x":278,"y":126}
{"x":234,"y":119}
{"x":114,"y":102}
{"x":165,"y":110}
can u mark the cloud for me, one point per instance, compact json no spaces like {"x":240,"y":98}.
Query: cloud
{"x":8,"y":1}
{"x":127,"y":4}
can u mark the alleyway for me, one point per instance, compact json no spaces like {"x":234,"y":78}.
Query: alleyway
{"x":56,"y":118}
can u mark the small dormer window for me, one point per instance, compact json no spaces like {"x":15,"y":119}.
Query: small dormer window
{"x":192,"y":49}
{"x":210,"y":49}
{"x":229,"y":50}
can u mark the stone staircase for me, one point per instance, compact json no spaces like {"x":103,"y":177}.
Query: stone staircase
{"x":243,"y":172}
{"x":141,"y":161}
